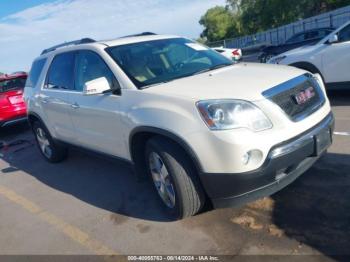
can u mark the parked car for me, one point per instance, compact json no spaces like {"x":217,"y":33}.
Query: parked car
{"x":234,"y":54}
{"x":12,"y":106}
{"x":330,"y":58}
{"x":202,"y":127}
{"x":253,"y":49}
{"x":309,"y":37}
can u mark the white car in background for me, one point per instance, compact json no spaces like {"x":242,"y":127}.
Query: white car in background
{"x":330,"y":58}
{"x":231,"y":53}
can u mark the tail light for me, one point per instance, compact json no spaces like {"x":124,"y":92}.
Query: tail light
{"x":236,"y":52}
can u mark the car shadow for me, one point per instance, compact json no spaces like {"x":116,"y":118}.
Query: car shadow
{"x":339,"y":97}
{"x":105,"y":183}
{"x":10,"y":132}
{"x":315,"y":209}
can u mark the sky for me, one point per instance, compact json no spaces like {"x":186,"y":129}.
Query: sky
{"x":29,"y":26}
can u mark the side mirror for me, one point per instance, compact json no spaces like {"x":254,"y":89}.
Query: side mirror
{"x":333,"y":39}
{"x":96,"y":86}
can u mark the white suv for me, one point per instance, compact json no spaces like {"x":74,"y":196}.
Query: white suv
{"x":330,"y":58}
{"x":202,"y":127}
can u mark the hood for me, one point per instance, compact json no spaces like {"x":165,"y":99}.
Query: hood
{"x":244,"y":81}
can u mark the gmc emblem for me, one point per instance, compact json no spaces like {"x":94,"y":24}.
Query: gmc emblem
{"x":304,"y":96}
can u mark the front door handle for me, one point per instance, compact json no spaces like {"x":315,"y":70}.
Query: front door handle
{"x":75,"y":105}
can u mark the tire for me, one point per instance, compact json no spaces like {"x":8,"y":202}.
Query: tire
{"x":51,"y":150}
{"x":189,"y":197}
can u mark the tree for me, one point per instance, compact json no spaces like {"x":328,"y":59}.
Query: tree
{"x":242,"y":17}
{"x":261,"y":15}
{"x":219,"y":23}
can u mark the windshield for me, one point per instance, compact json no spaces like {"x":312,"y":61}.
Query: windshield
{"x":153,"y":62}
{"x":12,"y":84}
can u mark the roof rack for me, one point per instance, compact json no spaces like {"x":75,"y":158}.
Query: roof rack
{"x":76,"y":42}
{"x":141,"y":34}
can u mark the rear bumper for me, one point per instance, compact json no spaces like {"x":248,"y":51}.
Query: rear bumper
{"x":11,"y":115}
{"x":13,"y":121}
{"x":285,"y":163}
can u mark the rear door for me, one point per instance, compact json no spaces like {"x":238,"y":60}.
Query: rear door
{"x":336,"y":59}
{"x":54,"y":96}
{"x":96,"y":118}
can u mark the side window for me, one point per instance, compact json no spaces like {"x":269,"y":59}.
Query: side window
{"x":312,"y":35}
{"x":344,"y":34}
{"x":90,"y":66}
{"x":295,"y":39}
{"x":324,"y":33}
{"x":35,"y":72}
{"x":61,"y":72}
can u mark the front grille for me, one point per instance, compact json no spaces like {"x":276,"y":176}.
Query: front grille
{"x":284,"y":96}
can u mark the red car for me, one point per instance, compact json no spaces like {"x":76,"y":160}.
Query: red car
{"x":12,"y":106}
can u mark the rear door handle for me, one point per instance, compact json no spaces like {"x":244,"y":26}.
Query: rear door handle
{"x":75,"y":106}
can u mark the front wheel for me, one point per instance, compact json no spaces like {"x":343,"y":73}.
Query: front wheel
{"x":174,"y":178}
{"x":52,"y":151}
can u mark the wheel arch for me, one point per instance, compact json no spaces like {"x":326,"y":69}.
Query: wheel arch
{"x":307,"y":66}
{"x":32,"y":117}
{"x":140,"y":135}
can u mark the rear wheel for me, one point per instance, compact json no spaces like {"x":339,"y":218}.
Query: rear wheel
{"x":51,"y":150}
{"x":174,"y":178}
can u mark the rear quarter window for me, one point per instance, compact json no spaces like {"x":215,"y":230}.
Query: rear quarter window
{"x":35,"y":72}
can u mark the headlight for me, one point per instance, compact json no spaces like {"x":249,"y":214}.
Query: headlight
{"x":230,"y":114}
{"x":276,"y":60}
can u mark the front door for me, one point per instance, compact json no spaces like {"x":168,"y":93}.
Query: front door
{"x":336,"y":59}
{"x":96,"y":118}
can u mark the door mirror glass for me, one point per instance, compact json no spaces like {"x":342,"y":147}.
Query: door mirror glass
{"x":96,"y":86}
{"x":333,"y":39}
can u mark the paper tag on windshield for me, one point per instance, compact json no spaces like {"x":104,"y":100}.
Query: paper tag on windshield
{"x":196,"y":47}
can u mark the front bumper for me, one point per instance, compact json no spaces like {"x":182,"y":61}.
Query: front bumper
{"x":285,"y":163}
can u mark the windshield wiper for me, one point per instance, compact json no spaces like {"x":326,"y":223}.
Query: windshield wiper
{"x":210,"y":69}
{"x":192,"y":74}
{"x":157,"y":84}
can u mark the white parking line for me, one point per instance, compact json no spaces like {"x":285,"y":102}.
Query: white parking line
{"x":342,"y":133}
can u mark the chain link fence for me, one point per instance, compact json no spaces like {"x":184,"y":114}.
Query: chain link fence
{"x":279,"y":35}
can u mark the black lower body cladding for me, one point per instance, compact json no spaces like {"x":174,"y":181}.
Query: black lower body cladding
{"x":226,"y":190}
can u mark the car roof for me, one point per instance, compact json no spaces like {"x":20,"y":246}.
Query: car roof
{"x":13,"y":76}
{"x":143,"y":37}
{"x":135,"y":39}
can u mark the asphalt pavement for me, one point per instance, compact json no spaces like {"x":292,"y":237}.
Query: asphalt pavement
{"x":93,"y":205}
